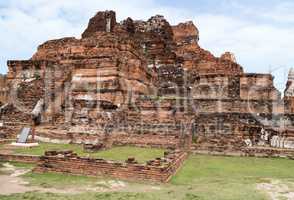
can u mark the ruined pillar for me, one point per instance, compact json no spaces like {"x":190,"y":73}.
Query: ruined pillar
{"x":101,"y":22}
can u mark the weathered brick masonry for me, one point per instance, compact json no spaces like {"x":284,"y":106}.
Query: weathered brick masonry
{"x":19,"y":158}
{"x":158,"y":170}
{"x":145,"y":83}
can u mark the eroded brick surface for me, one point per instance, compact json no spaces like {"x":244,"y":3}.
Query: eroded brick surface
{"x":145,"y":83}
{"x":158,"y":170}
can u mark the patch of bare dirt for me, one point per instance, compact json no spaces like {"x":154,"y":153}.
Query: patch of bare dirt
{"x":277,"y":190}
{"x":11,"y":182}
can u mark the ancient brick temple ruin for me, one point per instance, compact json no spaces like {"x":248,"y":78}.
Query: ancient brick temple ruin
{"x":146,"y":83}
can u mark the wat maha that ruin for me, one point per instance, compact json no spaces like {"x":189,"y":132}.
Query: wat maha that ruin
{"x":147,"y":84}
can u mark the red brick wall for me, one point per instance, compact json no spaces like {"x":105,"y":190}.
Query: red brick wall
{"x":19,"y":158}
{"x":159,"y":170}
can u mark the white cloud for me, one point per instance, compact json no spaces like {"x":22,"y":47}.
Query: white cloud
{"x":24,"y":24}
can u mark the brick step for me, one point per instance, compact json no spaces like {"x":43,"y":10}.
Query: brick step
{"x":15,"y":124}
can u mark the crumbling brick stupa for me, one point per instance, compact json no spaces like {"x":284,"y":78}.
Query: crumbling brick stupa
{"x":145,"y":83}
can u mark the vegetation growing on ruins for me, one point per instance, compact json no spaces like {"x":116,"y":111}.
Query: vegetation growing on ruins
{"x":122,"y":153}
{"x":116,"y":153}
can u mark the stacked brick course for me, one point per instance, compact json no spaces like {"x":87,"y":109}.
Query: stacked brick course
{"x":158,"y":170}
{"x":19,"y":158}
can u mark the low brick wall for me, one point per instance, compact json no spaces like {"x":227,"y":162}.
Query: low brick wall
{"x":118,"y":138}
{"x":6,"y":141}
{"x":19,"y":158}
{"x":158,"y":170}
{"x":146,"y":140}
{"x":265,"y":152}
{"x":268,"y":152}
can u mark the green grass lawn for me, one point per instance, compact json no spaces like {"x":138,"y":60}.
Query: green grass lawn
{"x":203,"y":168}
{"x":232,"y":177}
{"x":201,"y":178}
{"x":116,"y":153}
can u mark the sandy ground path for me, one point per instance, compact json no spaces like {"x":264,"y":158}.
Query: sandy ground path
{"x":277,"y":190}
{"x":11,"y":185}
{"x":11,"y":182}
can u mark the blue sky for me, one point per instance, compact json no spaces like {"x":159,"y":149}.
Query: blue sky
{"x":259,"y":32}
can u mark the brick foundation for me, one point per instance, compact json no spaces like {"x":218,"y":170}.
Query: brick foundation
{"x":6,"y":141}
{"x":159,"y":170}
{"x":262,"y":152}
{"x":19,"y":158}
